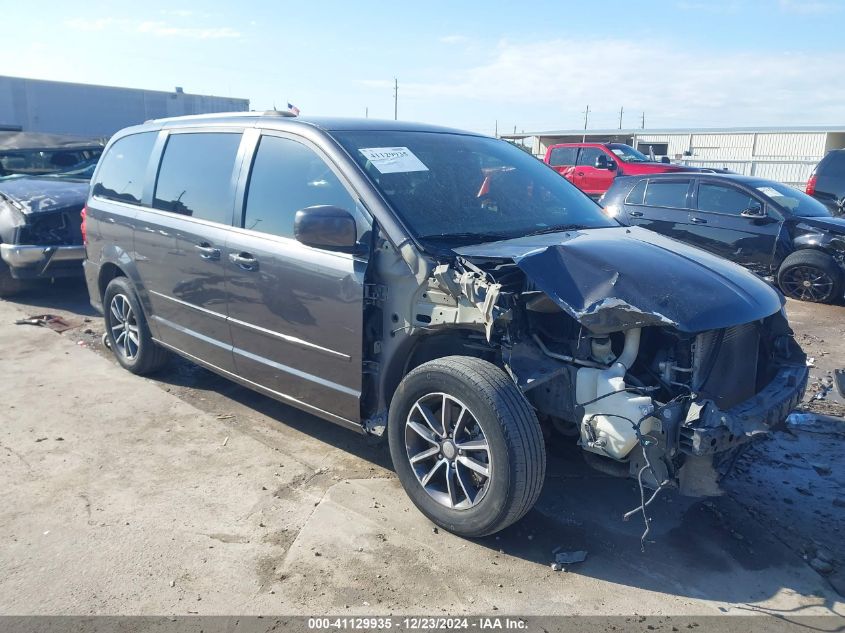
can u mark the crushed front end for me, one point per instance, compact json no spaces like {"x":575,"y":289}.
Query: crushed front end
{"x":40,"y":227}
{"x":664,"y":388}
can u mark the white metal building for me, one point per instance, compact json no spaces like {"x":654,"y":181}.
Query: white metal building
{"x":785,"y":154}
{"x":57,"y":107}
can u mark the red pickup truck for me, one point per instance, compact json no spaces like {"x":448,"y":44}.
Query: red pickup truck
{"x":592,"y":166}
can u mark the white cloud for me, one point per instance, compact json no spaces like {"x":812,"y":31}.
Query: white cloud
{"x":163,"y":29}
{"x":672,"y":86}
{"x":454,"y":39}
{"x":809,"y":7}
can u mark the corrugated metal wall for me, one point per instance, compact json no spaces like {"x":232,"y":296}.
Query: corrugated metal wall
{"x":788,"y":157}
{"x":96,"y":111}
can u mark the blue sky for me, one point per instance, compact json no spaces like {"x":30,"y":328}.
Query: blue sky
{"x":529,"y":65}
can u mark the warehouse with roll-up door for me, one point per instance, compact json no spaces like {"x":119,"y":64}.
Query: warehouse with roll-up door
{"x":785,"y":154}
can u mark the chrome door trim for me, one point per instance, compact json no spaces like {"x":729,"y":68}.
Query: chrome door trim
{"x":190,"y":305}
{"x":284,"y":337}
{"x":289,"y":339}
{"x":298,"y":373}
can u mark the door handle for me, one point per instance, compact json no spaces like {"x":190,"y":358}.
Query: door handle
{"x":207,"y":251}
{"x":579,"y":173}
{"x":635,"y":214}
{"x":244,"y":261}
{"x":695,"y":220}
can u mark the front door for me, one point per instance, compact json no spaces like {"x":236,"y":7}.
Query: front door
{"x":590,"y":179}
{"x":296,"y":312}
{"x":733,"y":223}
{"x":179,"y":244}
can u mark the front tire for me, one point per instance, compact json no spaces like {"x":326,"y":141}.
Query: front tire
{"x":811,"y":276}
{"x":466,"y":445}
{"x":127,"y":331}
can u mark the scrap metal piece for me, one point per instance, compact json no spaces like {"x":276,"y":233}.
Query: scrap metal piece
{"x":51,"y":321}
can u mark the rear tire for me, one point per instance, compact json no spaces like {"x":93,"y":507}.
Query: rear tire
{"x":811,"y":275}
{"x":127,"y":331}
{"x":9,"y":286}
{"x":482,"y":470}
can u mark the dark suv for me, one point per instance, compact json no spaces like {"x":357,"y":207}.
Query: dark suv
{"x":827,"y":184}
{"x":441,"y":286}
{"x":771,"y":228}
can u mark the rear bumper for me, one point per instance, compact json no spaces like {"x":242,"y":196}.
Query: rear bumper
{"x":715,"y":431}
{"x":31,"y":261}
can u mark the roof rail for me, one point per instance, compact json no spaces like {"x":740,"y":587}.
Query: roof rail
{"x":285,"y":113}
{"x":216,"y":115}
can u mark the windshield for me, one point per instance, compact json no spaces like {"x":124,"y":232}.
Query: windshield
{"x":794,"y":201}
{"x":457,"y":189}
{"x":628,"y":153}
{"x":46,"y":161}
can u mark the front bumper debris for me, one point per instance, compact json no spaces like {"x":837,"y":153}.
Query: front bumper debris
{"x":31,"y":261}
{"x":709,"y":430}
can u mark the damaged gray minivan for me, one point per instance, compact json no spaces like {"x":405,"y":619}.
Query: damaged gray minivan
{"x":442,"y":287}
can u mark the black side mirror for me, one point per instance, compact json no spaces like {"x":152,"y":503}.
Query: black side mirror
{"x":755,"y":210}
{"x":602,"y":162}
{"x":665,"y":160}
{"x":327,"y":227}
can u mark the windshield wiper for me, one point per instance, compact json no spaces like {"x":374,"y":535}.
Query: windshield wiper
{"x":468,"y":235}
{"x":557,"y":228}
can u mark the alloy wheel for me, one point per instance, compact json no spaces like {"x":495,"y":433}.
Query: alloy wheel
{"x":448,"y":451}
{"x":807,"y":283}
{"x":124,"y":327}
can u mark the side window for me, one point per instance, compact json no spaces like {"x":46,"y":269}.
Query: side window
{"x":667,"y":193}
{"x":563,"y":156}
{"x":288,"y":176}
{"x":635,"y":196}
{"x":724,"y":199}
{"x":589,"y":155}
{"x":195,"y":177}
{"x":124,"y":167}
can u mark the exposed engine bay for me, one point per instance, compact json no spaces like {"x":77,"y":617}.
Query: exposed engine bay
{"x":664,"y":389}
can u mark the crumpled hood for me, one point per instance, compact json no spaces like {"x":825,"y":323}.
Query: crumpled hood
{"x":619,"y":278}
{"x":34,"y":194}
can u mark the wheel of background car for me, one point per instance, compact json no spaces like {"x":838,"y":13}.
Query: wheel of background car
{"x":466,"y":445}
{"x":127,"y":332}
{"x":811,"y":276}
{"x":9,"y":285}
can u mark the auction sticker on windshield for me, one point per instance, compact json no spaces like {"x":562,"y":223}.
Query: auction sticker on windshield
{"x":393,"y":160}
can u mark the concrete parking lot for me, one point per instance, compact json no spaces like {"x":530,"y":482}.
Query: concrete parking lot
{"x":184,"y":493}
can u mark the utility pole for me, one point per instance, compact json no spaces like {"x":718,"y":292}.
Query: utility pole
{"x":496,"y":129}
{"x":643,"y":120}
{"x":395,"y":99}
{"x":621,"y":110}
{"x":586,"y":118}
{"x":367,"y":112}
{"x":514,"y":129}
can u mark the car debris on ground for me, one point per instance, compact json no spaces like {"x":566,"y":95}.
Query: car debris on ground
{"x":51,"y":321}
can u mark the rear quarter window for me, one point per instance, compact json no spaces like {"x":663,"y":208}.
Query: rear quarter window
{"x":635,"y":196}
{"x":124,"y":167}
